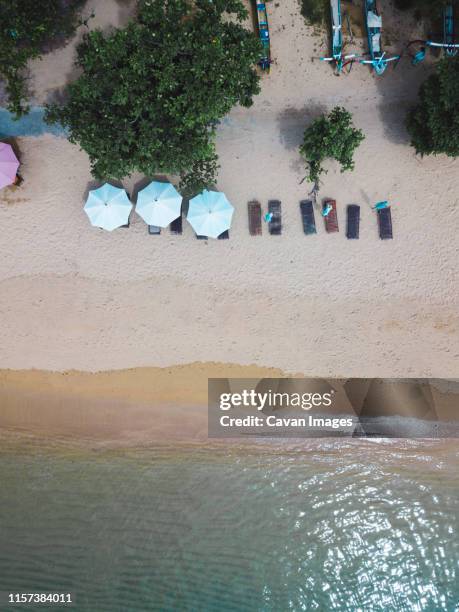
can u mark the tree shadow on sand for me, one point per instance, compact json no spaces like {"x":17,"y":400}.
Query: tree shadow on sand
{"x":399,"y":85}
{"x":293,"y":121}
{"x":398,"y":94}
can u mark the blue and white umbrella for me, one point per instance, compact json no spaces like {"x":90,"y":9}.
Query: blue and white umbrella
{"x":159,"y":204}
{"x":108,"y":207}
{"x":210,"y":214}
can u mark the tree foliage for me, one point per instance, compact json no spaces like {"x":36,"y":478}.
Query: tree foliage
{"x":315,"y":12}
{"x":26,"y":26}
{"x":330,"y":136}
{"x":424,"y":6}
{"x":434,"y":123}
{"x":151,"y":95}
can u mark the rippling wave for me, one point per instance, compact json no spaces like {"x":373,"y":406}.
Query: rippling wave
{"x":341,"y":525}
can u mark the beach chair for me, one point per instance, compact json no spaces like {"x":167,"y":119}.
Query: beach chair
{"x":385,"y":223}
{"x":224,"y":236}
{"x":128,"y":224}
{"x":176,"y":227}
{"x":202,"y":237}
{"x":331,"y":220}
{"x":275,"y":225}
{"x":254,"y":210}
{"x":353,"y":221}
{"x":154,"y":230}
{"x":307,"y":216}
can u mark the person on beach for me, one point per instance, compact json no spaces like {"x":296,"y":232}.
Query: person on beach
{"x":381,"y":205}
{"x":326,"y":210}
{"x":418,"y":57}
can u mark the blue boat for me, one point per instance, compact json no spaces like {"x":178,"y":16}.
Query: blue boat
{"x":373,"y":22}
{"x":337,"y":56}
{"x":263,"y":31}
{"x":449,"y":45}
{"x":449,"y":37}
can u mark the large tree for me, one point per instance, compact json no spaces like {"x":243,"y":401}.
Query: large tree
{"x":434,"y":123}
{"x":26,"y":27}
{"x":330,"y":136}
{"x":151,"y":95}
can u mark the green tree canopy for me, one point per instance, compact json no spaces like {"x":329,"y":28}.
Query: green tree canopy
{"x":330,"y":136}
{"x":25,"y":28}
{"x":434,"y":123}
{"x":150,"y":95}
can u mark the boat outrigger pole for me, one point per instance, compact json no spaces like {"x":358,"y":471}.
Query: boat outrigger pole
{"x":337,"y":38}
{"x":373,"y":20}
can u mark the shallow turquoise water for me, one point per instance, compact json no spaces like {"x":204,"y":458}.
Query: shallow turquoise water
{"x":329,"y":526}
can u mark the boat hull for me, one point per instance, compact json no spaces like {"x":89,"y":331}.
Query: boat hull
{"x":263,"y":32}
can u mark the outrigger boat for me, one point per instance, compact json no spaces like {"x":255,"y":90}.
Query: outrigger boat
{"x":337,"y":38}
{"x":449,"y":44}
{"x":263,"y":31}
{"x":373,"y":22}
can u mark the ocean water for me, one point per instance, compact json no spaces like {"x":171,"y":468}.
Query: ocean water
{"x":341,"y":525}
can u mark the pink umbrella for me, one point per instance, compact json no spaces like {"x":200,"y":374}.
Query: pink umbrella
{"x":9,"y":165}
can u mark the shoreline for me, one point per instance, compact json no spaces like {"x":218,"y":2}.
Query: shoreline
{"x":144,"y":406}
{"x":131,"y":407}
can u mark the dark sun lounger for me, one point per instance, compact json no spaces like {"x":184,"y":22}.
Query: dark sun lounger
{"x":224,"y":236}
{"x":154,"y":230}
{"x":331,"y":220}
{"x":385,"y":223}
{"x":307,"y":215}
{"x":176,"y":226}
{"x":254,"y":209}
{"x":353,"y":221}
{"x":128,"y":224}
{"x":275,"y":225}
{"x":202,"y":237}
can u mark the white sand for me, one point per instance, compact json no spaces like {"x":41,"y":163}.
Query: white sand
{"x":75,"y":297}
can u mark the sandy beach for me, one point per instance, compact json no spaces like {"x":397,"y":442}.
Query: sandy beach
{"x":75,"y":298}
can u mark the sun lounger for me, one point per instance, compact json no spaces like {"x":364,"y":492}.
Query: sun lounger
{"x":331,"y":220}
{"x":307,"y":215}
{"x":275,"y":225}
{"x":176,"y":227}
{"x":353,"y":221}
{"x":128,"y":224}
{"x":254,"y":209}
{"x":224,"y":236}
{"x":154,"y":230}
{"x":385,"y":223}
{"x":202,"y":237}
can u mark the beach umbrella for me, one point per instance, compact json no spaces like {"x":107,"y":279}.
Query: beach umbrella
{"x":9,"y":165}
{"x":159,"y":204}
{"x":210,"y":214}
{"x":108,"y":207}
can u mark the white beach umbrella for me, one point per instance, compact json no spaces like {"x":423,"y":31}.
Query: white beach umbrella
{"x":108,"y":207}
{"x":159,"y":204}
{"x":210,"y":214}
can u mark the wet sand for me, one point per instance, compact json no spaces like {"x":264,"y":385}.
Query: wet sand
{"x":165,"y":405}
